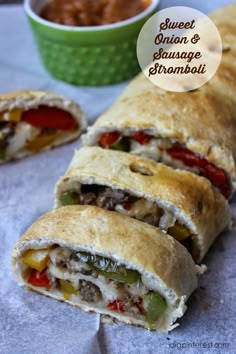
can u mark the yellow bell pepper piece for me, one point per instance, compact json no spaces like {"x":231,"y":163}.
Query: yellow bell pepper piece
{"x":66,"y":296}
{"x":67,"y":288}
{"x":40,"y":142}
{"x":179,"y":232}
{"x":36,"y":259}
{"x":11,"y":116}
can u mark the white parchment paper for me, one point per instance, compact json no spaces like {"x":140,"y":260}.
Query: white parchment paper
{"x":30,"y":323}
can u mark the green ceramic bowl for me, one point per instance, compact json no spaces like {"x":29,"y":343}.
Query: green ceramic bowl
{"x":100,"y":55}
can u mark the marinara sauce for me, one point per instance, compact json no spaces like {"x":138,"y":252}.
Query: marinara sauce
{"x":92,"y":12}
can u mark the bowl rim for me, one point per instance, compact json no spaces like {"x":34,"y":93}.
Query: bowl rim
{"x":31,"y":13}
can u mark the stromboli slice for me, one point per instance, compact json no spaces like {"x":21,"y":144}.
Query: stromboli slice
{"x":32,"y":121}
{"x":183,"y":204}
{"x":108,"y":263}
{"x":190,"y":130}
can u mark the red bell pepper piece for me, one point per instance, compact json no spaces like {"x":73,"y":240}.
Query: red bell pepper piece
{"x":117,"y":305}
{"x":128,"y":206}
{"x":49,"y":117}
{"x":186,"y":156}
{"x":142,"y":138}
{"x":216,"y":175}
{"x":39,"y":279}
{"x":108,"y":139}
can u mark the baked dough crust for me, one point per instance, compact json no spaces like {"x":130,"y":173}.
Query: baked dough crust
{"x":32,"y":99}
{"x":163,"y":261}
{"x":191,"y":198}
{"x":204,"y":120}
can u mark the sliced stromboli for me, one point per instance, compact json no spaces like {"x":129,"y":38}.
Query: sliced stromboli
{"x":108,"y":263}
{"x":190,"y":130}
{"x":32,"y":121}
{"x":181,"y":203}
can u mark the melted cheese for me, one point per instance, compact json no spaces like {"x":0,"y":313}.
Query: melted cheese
{"x":139,"y":209}
{"x":109,"y":289}
{"x":167,"y":220}
{"x":150,"y":149}
{"x":23,"y":133}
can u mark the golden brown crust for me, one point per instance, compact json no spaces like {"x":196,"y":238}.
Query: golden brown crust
{"x":225,"y":16}
{"x":14,"y":95}
{"x":204,"y":120}
{"x":192,"y":198}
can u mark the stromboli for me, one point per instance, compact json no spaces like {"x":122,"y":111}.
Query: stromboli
{"x":180,"y":202}
{"x":33,"y":121}
{"x":159,"y":267}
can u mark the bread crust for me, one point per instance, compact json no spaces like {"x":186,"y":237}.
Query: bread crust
{"x":190,"y":197}
{"x":29,"y":99}
{"x":154,"y":254}
{"x":204,"y":120}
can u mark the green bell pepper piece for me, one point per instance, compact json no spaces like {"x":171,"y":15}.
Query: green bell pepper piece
{"x":122,"y":145}
{"x":69,"y":198}
{"x":2,"y":153}
{"x":155,"y":309}
{"x":109,"y":268}
{"x":123,"y":275}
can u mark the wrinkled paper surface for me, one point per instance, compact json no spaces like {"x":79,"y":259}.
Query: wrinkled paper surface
{"x":31,"y":323}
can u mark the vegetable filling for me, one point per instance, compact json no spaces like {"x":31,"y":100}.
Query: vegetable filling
{"x":165,"y":151}
{"x":92,"y":279}
{"x":127,"y":204}
{"x":33,"y":129}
